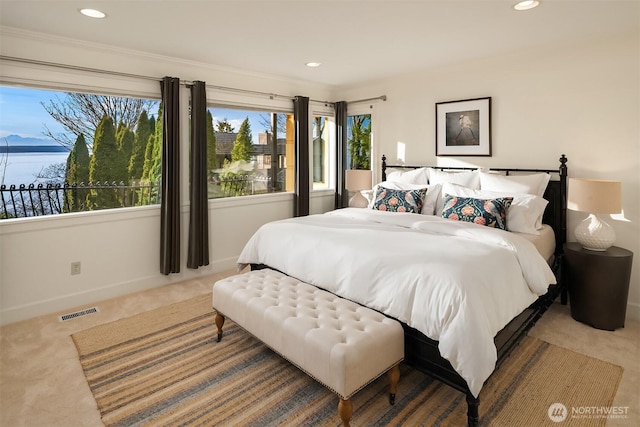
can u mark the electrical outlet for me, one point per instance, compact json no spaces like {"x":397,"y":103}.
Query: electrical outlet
{"x":75,"y":268}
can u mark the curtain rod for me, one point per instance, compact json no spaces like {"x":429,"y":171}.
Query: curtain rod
{"x":381,"y":97}
{"x":256,"y":92}
{"x":76,"y":67}
{"x":140,"y":76}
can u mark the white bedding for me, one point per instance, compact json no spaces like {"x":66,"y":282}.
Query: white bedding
{"x":458,"y":283}
{"x":545,"y":242}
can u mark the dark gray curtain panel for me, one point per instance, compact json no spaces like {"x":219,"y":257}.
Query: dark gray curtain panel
{"x":198,"y":246}
{"x":342,"y":195}
{"x":301,"y":119}
{"x":170,"y":183}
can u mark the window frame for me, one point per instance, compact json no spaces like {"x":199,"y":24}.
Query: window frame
{"x":270,"y":108}
{"x":363,"y":108}
{"x":59,"y":79}
{"x":327,"y":111}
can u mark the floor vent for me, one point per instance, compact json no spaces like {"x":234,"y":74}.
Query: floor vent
{"x":80,"y":313}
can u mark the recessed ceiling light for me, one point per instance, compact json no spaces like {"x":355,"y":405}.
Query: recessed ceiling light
{"x":526,"y":5}
{"x":312,"y":64}
{"x":93,"y":13}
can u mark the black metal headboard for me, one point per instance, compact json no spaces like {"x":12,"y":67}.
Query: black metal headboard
{"x":555,"y":214}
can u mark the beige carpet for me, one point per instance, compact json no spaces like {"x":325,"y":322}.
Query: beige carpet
{"x":164,"y":367}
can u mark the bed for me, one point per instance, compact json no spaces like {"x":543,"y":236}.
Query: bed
{"x":461,"y":315}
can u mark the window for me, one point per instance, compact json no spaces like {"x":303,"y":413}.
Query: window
{"x":250,"y":152}
{"x":71,"y":151}
{"x":359,"y":141}
{"x":323,"y":149}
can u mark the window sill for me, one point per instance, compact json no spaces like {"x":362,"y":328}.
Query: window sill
{"x":75,"y":219}
{"x":250,"y":200}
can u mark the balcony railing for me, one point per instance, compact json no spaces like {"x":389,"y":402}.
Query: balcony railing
{"x":20,"y":201}
{"x":238,"y":185}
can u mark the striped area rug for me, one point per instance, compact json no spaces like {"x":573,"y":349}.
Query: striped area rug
{"x":164,"y":367}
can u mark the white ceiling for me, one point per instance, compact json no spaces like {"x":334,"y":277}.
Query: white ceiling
{"x":355,"y":40}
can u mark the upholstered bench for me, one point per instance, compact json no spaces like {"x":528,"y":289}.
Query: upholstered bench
{"x":339,"y":343}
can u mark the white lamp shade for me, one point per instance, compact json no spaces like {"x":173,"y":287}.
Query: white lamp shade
{"x":358,"y":179}
{"x":595,"y":196}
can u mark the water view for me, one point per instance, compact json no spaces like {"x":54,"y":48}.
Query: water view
{"x":25,"y":168}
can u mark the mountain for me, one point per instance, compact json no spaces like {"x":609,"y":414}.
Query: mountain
{"x":19,"y":144}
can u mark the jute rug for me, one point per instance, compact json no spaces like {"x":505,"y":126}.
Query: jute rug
{"x":164,"y":367}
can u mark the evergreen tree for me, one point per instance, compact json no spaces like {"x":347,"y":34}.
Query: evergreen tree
{"x":153,"y":151}
{"x":148,"y":157}
{"x":77,"y":172}
{"x":104,"y":166}
{"x":124,"y":138}
{"x":152,"y":169}
{"x":155,"y":173}
{"x":152,"y":123}
{"x":242,"y":147}
{"x":143,"y":131}
{"x":213,"y":162}
{"x":225,"y":126}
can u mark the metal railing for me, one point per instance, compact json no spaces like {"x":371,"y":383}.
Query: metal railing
{"x":30,"y":200}
{"x":20,"y":201}
{"x":239,"y":185}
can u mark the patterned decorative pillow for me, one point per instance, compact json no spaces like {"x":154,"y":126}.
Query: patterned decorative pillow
{"x":489,"y":212}
{"x":399,"y":200}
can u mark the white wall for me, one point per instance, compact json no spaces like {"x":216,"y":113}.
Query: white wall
{"x":582,"y":101}
{"x":119,"y":249}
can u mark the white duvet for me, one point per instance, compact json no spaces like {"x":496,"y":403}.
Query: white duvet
{"x":458,"y":283}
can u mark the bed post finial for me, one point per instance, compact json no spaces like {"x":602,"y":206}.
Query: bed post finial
{"x":384,"y":167}
{"x":563,"y":165}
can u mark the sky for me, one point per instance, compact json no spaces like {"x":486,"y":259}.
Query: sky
{"x":236,"y":117}
{"x":21,"y":113}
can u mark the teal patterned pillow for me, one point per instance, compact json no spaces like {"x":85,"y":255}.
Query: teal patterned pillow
{"x":399,"y":200}
{"x":489,"y":212}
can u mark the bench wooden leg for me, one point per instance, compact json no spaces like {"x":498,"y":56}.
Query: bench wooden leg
{"x":219,"y":323}
{"x":345,"y":410}
{"x":394,"y":378}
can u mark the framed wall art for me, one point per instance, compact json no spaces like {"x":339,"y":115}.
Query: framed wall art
{"x":463,"y":128}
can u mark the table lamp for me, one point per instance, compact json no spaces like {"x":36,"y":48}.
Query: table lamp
{"x":595,"y":196}
{"x":358,"y":180}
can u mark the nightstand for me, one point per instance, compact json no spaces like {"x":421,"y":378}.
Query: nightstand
{"x":598,"y":285}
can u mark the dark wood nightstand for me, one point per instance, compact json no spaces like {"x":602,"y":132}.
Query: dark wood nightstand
{"x":598,"y":285}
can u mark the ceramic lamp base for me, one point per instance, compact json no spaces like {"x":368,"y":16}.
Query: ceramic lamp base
{"x":358,"y":201}
{"x":594,"y":234}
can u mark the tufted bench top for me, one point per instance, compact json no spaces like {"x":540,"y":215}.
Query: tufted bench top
{"x":341,"y":344}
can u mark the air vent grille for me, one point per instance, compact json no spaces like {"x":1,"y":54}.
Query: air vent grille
{"x":77,"y":314}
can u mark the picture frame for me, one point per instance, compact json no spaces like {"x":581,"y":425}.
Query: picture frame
{"x":463,"y":128}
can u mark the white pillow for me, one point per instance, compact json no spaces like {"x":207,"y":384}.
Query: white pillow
{"x":524,"y":214}
{"x":430,"y":199}
{"x":470,"y":179}
{"x":414,"y":176}
{"x":530,"y":184}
